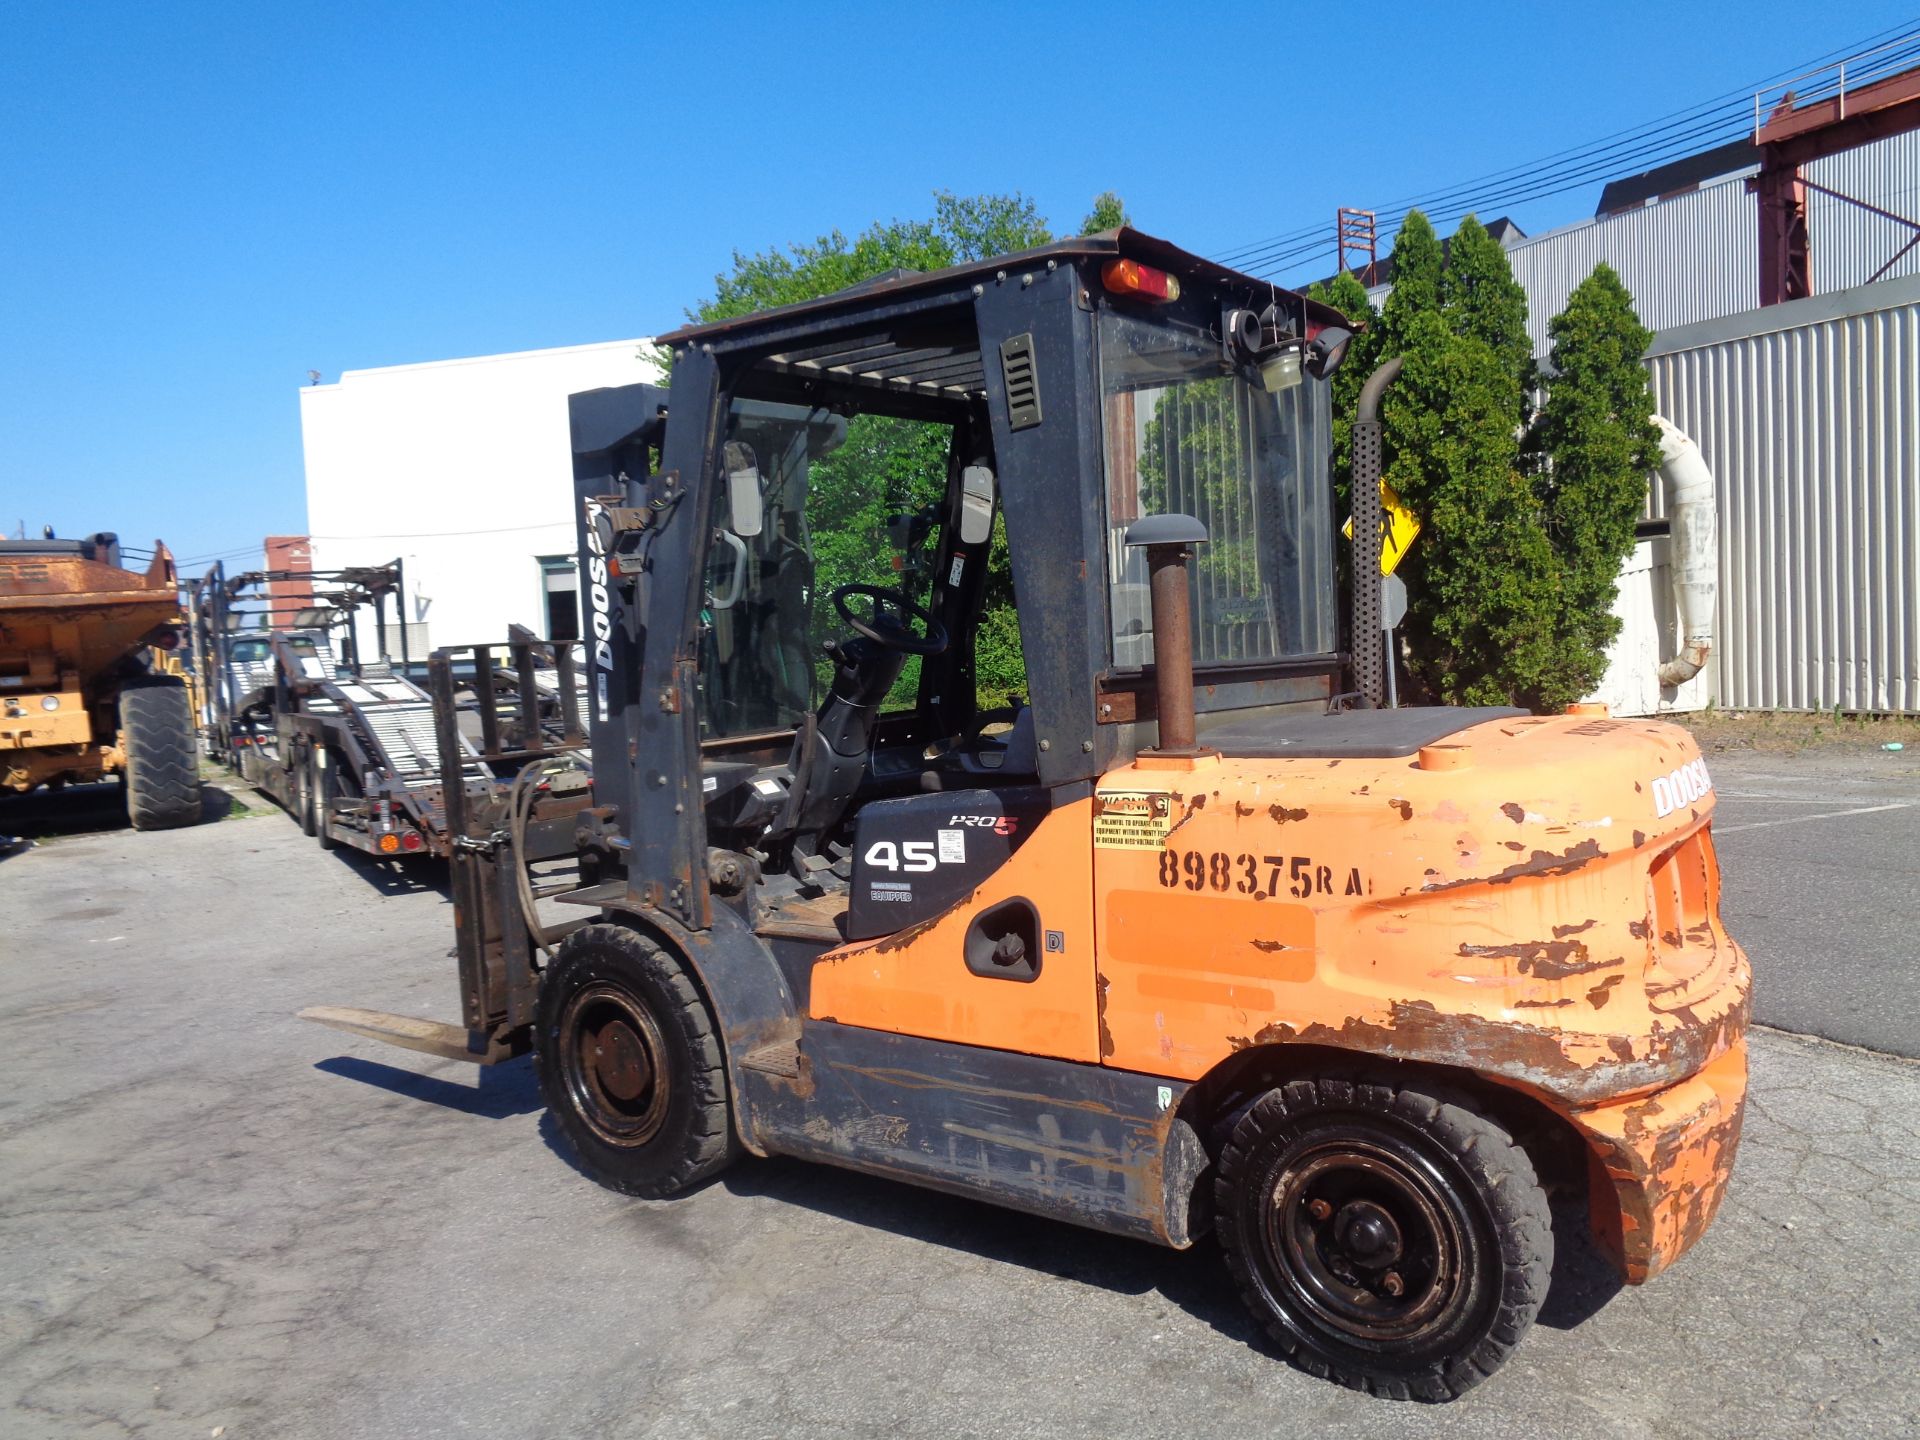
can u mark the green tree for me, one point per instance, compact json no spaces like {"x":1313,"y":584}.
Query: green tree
{"x":1481,"y":581}
{"x":1480,"y":297}
{"x":1347,"y":295}
{"x":887,"y":467}
{"x":1597,"y":430}
{"x":1417,"y":265}
{"x":1109,"y":213}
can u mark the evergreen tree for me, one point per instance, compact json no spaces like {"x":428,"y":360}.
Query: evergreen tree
{"x":1597,"y":429}
{"x":1416,"y":282}
{"x":1481,"y":298}
{"x":1481,"y":581}
{"x":1347,"y":295}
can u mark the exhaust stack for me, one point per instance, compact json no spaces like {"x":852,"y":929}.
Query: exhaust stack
{"x":1169,"y":542}
{"x":1695,"y":548}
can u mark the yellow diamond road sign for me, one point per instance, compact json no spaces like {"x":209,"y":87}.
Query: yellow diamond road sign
{"x":1398,"y":527}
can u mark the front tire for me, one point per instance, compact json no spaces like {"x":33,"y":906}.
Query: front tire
{"x":1387,"y":1235}
{"x":630,"y":1063}
{"x":162,"y":770}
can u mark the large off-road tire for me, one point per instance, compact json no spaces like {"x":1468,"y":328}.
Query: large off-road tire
{"x":630,"y":1063}
{"x":1386,"y":1234}
{"x":162,"y":774}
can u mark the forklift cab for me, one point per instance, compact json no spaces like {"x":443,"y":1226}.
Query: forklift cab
{"x":788,"y":583}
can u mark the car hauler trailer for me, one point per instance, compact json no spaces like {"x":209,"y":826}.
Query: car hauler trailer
{"x":1189,"y":937}
{"x":347,"y":745}
{"x":82,"y":694}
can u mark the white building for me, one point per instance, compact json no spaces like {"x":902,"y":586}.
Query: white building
{"x":462,"y":470}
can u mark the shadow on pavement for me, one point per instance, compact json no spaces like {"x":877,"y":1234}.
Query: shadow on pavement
{"x":97,"y":809}
{"x":69,"y":810}
{"x":500,"y":1090}
{"x":398,"y":877}
{"x":1196,"y":1280}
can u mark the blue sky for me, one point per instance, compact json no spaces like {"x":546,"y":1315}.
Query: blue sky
{"x":199,"y":204}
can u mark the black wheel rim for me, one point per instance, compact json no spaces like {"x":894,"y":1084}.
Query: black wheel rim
{"x":615,"y":1063}
{"x":1364,"y":1236}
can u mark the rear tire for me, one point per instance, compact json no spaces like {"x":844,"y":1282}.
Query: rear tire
{"x":1386,"y":1234}
{"x":630,"y":1063}
{"x":162,"y":771}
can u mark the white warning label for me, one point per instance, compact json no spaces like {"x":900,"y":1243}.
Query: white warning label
{"x":1132,"y":819}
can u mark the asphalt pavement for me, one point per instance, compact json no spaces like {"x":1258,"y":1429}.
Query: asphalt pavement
{"x":216,"y":1220}
{"x":1820,"y":866}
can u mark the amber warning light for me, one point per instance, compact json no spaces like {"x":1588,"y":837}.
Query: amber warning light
{"x":1130,"y":277}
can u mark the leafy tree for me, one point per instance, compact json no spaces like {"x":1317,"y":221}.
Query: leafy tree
{"x":886,"y":467}
{"x":1597,"y":428}
{"x":1109,"y":213}
{"x":976,"y":227}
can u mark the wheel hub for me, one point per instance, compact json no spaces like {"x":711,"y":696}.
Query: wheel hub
{"x":1367,"y":1233}
{"x":1363,"y":1238}
{"x":621,"y":1061}
{"x":615,"y":1064}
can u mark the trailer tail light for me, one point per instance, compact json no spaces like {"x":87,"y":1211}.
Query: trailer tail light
{"x":411,"y":841}
{"x":389,"y":844}
{"x":1143,"y":282}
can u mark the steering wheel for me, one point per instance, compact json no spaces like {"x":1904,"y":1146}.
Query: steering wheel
{"x":888,"y":625}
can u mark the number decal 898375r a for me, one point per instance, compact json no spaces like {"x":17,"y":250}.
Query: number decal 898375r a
{"x":1259,"y":876}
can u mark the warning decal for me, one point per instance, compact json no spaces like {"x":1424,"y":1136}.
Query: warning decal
{"x":1132,"y":819}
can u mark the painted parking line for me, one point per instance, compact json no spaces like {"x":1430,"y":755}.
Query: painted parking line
{"x":1802,"y":819}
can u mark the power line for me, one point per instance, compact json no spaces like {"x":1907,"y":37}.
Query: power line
{"x":1742,"y":98}
{"x":1679,"y":132}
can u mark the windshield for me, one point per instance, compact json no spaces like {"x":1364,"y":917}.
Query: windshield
{"x":1188,"y":434}
{"x":844,"y":502}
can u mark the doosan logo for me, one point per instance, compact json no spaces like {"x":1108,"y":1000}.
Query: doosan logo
{"x":602,"y":621}
{"x":1681,"y":787}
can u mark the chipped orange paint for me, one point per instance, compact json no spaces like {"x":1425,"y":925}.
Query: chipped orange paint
{"x":1666,"y":1159}
{"x":1511,"y":903}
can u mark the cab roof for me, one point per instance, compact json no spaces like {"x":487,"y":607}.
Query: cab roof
{"x":900,"y":284}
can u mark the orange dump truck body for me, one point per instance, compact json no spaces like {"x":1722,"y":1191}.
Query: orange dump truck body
{"x":72,"y":625}
{"x":1518,"y":902}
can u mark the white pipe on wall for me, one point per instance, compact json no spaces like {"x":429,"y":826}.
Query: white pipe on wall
{"x":1695,"y":548}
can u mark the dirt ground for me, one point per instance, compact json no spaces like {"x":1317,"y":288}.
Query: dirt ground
{"x":1790,"y":732}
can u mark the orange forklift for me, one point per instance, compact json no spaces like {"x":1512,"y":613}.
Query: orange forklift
{"x":1192,"y":934}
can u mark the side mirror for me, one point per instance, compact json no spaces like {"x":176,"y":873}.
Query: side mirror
{"x":745,"y":513}
{"x":976,"y":505}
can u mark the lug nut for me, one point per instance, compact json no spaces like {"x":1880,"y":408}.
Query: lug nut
{"x":1393,"y":1284}
{"x":1319,"y":1209}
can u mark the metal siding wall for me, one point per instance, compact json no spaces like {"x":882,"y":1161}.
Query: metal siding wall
{"x":1850,"y":244}
{"x":1813,"y":436}
{"x":1690,"y":258}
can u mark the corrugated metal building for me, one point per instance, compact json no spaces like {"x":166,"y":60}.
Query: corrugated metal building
{"x":1695,"y":256}
{"x":1808,"y":414}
